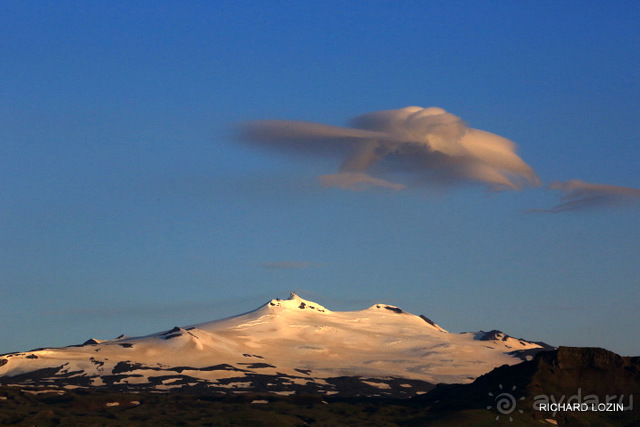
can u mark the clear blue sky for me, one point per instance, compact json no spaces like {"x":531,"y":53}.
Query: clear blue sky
{"x":127,"y":205}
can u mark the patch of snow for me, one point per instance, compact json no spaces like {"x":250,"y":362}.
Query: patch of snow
{"x":378,"y":385}
{"x":54,"y":391}
{"x":284,"y":393}
{"x":165,"y":387}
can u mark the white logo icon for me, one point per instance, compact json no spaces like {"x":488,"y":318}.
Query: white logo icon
{"x":505,"y":403}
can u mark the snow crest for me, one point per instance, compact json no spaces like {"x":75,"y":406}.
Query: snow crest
{"x":295,"y":338}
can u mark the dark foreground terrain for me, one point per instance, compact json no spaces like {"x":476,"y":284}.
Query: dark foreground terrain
{"x":100,"y":409}
{"x":508,"y":395}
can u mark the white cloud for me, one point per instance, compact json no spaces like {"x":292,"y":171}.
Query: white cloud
{"x":419,"y":145}
{"x":287,"y":265}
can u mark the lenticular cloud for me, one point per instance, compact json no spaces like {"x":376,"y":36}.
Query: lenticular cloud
{"x":412,"y":144}
{"x":583,"y":195}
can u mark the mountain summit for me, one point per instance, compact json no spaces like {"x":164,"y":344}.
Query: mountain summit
{"x":284,"y":346}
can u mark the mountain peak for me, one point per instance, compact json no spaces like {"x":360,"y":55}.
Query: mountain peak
{"x":390,"y":308}
{"x":294,"y":302}
{"x":294,"y":296}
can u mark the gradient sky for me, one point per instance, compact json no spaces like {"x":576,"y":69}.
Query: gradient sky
{"x":127,"y":204}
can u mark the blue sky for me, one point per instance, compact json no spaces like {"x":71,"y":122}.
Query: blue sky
{"x":129,"y":206}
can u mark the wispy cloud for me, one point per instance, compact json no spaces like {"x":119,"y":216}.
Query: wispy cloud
{"x":191,"y":310}
{"x":150,"y":310}
{"x":288,"y":265}
{"x":416,"y":145}
{"x":583,"y":195}
{"x":559,"y":307}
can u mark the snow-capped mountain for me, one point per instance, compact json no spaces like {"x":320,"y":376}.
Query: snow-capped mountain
{"x":285,"y":346}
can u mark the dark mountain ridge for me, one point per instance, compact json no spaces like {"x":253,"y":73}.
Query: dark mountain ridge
{"x":599,"y":381}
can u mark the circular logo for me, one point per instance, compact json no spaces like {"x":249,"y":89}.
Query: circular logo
{"x":505,"y":403}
